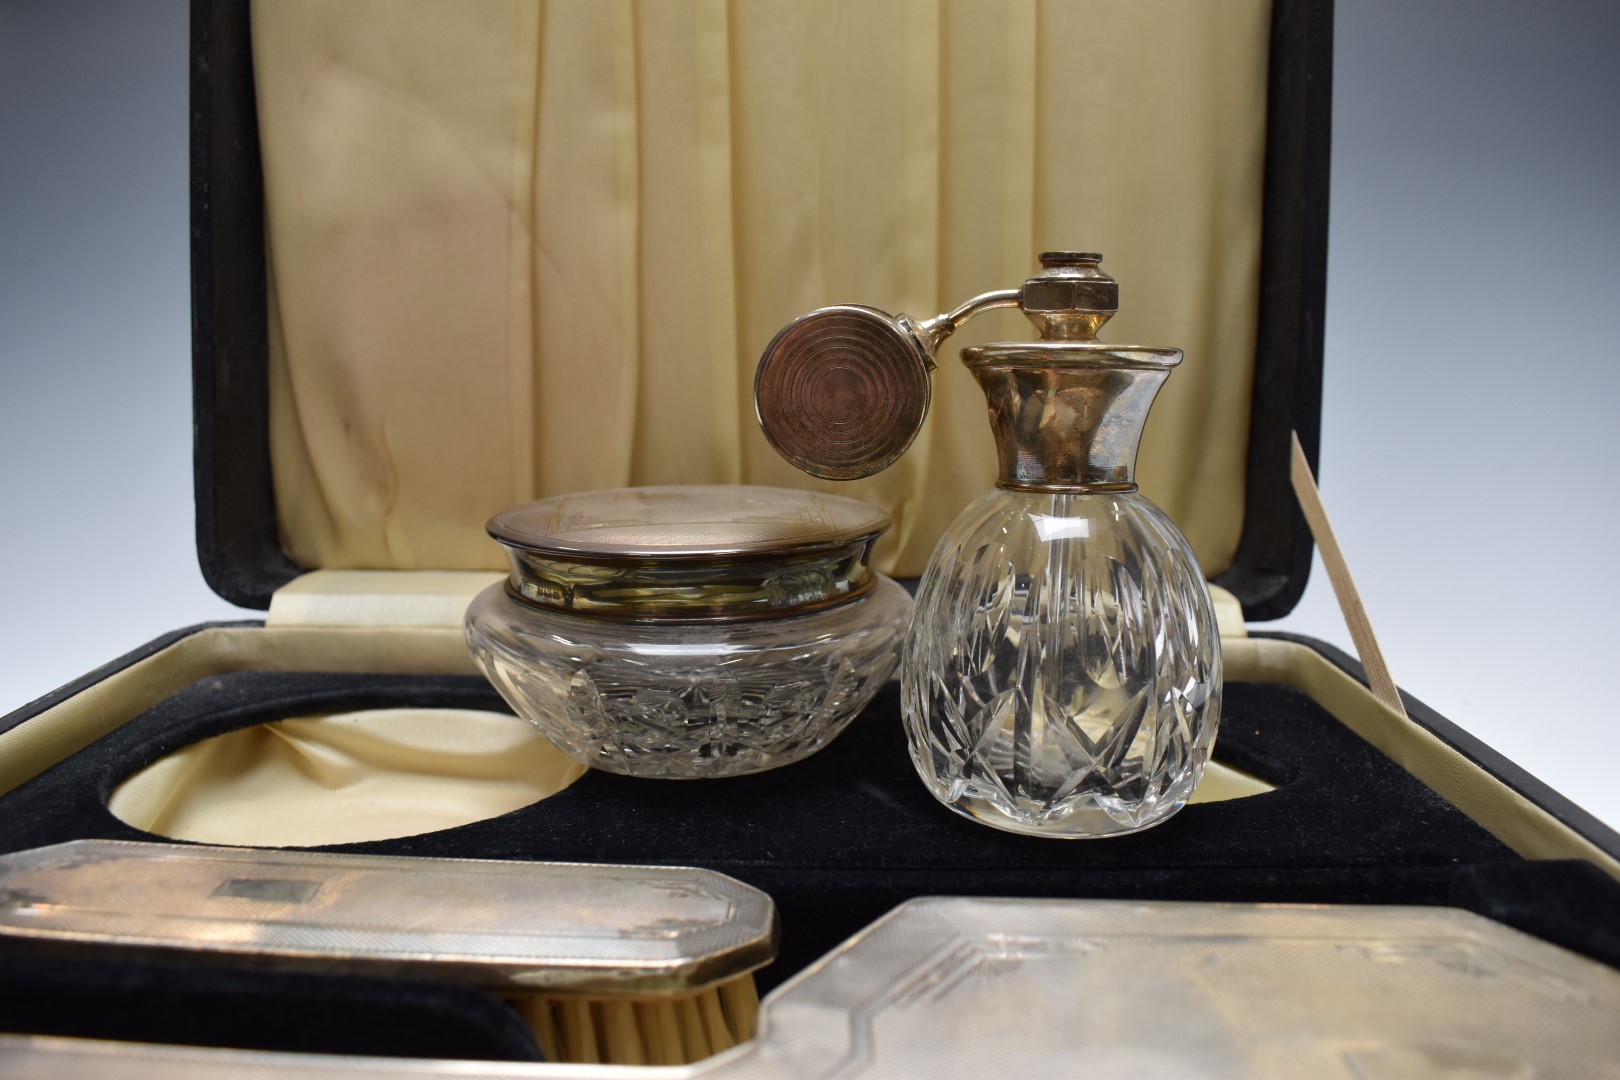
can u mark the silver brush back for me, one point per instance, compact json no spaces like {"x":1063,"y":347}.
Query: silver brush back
{"x":508,"y":927}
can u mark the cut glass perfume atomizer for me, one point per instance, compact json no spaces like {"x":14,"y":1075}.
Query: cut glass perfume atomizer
{"x":1062,"y":672}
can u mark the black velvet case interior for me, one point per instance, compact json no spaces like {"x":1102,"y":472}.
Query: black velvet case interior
{"x":841,"y":838}
{"x":297,"y":1012}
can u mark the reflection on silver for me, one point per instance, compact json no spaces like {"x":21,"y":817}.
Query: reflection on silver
{"x":966,"y":987}
{"x":505,"y":926}
{"x":963,"y":987}
{"x":689,"y":553}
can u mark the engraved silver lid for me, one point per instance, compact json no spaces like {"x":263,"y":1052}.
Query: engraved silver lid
{"x":689,"y":553}
{"x":953,"y":986}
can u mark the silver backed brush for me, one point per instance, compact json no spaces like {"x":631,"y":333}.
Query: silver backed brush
{"x":509,"y":927}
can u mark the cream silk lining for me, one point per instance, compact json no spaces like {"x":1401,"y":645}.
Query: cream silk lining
{"x":380,"y":773}
{"x":345,"y":777}
{"x":519,"y":249}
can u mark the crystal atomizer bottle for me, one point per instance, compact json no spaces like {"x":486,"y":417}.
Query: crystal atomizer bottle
{"x":1062,"y":672}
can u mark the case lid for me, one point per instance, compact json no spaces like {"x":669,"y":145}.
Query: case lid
{"x":379,"y":428}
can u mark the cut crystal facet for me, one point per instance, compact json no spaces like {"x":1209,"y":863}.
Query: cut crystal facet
{"x":693,"y":699}
{"x":1063,"y":672}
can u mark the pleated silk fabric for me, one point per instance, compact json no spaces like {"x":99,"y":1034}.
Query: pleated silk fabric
{"x":518,"y":249}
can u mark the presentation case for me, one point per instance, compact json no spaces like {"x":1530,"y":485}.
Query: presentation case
{"x":1331,"y":796}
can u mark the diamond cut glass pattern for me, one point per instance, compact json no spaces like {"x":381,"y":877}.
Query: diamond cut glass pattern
{"x":689,"y":700}
{"x":1063,"y":672}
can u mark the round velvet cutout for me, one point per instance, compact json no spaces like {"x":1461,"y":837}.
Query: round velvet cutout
{"x":345,"y":777}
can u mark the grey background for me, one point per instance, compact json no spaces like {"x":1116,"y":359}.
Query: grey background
{"x":1470,"y":438}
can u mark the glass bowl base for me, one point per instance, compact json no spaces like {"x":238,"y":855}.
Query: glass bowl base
{"x":1083,"y":823}
{"x":689,"y":700}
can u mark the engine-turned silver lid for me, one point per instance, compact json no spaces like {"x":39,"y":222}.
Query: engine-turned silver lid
{"x":689,"y":553}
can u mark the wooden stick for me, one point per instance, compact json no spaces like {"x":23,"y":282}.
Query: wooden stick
{"x":1344,"y":586}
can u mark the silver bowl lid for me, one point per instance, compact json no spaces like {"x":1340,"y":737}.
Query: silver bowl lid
{"x":689,"y":553}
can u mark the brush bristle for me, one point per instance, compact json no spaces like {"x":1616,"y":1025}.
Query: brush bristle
{"x":644,"y":1031}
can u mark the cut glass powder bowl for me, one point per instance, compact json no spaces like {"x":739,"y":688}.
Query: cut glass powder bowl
{"x":689,"y":632}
